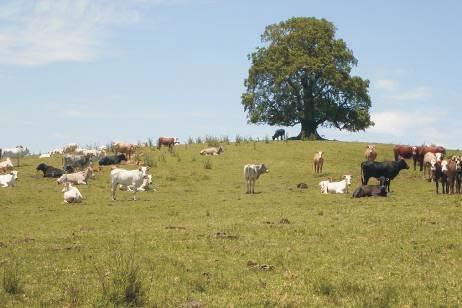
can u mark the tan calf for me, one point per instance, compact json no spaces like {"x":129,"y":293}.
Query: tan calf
{"x":370,"y":154}
{"x":318,"y":161}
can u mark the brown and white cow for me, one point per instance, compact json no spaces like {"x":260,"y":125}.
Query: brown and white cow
{"x":318,"y":161}
{"x":124,"y":148}
{"x":424,"y":149}
{"x":370,"y":153}
{"x":167,"y":141}
{"x":405,"y":152}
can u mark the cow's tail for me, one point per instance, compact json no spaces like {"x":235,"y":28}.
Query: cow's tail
{"x":362,"y":173}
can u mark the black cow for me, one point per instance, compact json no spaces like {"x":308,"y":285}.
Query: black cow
{"x":387,"y":169}
{"x":279,"y":133}
{"x":112,"y":160}
{"x":75,"y":161}
{"x":49,"y":171}
{"x":372,"y":190}
{"x":438,"y":176}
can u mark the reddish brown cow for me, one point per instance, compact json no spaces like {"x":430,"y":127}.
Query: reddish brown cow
{"x":422,"y":150}
{"x":124,"y":148}
{"x":167,"y":141}
{"x":406,"y":152}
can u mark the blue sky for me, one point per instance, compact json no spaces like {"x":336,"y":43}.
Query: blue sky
{"x":91,"y":71}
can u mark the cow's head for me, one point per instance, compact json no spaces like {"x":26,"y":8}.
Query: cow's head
{"x":220,"y":149}
{"x":122,"y":157}
{"x":41,"y":167}
{"x":263,"y":169}
{"x":347,"y":179}
{"x":403,"y":164}
{"x":383,"y":181}
{"x":444,"y":165}
{"x":144,"y":171}
{"x":371,"y":147}
{"x":439,"y":156}
{"x":414,"y":150}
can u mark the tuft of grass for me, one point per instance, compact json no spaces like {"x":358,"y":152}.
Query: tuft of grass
{"x":12,"y":281}
{"x":238,"y":140}
{"x":162,"y":158}
{"x":149,"y":161}
{"x":207,"y":163}
{"x":122,"y":284}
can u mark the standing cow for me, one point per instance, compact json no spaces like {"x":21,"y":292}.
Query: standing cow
{"x":406,"y":152}
{"x":370,"y":153}
{"x":318,"y":161}
{"x":422,"y":150}
{"x":252,"y":173}
{"x":387,"y":169}
{"x":279,"y":133}
{"x":124,"y":148}
{"x":167,"y":141}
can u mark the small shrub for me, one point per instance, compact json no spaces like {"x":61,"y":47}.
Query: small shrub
{"x":238,"y":139}
{"x":122,"y":284}
{"x":207,"y":164}
{"x":12,"y":279}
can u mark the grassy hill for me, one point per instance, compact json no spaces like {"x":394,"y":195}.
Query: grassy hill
{"x":200,"y":238}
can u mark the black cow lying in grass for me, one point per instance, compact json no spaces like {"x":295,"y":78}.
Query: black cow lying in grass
{"x":372,"y":190}
{"x":387,"y":169}
{"x":112,"y":160}
{"x":49,"y":171}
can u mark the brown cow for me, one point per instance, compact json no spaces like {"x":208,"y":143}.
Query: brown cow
{"x":449,"y":169}
{"x":424,"y":149}
{"x":406,"y":152}
{"x":318,"y":161}
{"x":124,"y":148}
{"x":370,"y":153}
{"x":167,"y":141}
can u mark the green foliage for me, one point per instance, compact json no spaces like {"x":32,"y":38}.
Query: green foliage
{"x":302,"y":76}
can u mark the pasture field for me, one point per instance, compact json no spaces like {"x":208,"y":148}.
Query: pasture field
{"x":201,"y":239}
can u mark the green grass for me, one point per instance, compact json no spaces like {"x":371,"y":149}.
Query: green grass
{"x":200,"y":238}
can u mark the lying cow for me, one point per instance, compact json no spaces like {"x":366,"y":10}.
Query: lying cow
{"x":212,"y":151}
{"x":112,"y":160}
{"x":8,"y":180}
{"x":387,"y":169}
{"x":80,"y":177}
{"x":49,"y":171}
{"x":279,"y":133}
{"x":144,"y":187}
{"x":167,"y":141}
{"x":6,"y":166}
{"x":318,"y":161}
{"x":75,"y":161}
{"x":370,"y":153}
{"x":133,"y":179}
{"x":340,"y":187}
{"x":18,"y":152}
{"x":251,"y":174}
{"x":71,"y":194}
{"x":372,"y":190}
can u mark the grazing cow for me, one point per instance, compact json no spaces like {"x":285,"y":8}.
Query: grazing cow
{"x":133,"y":179}
{"x":340,"y":187}
{"x":9,"y":179}
{"x":387,"y":169}
{"x":49,"y":171}
{"x":406,"y":152}
{"x":422,"y":150}
{"x":80,"y":177}
{"x":372,"y":190}
{"x":279,"y":133}
{"x":70,"y":148}
{"x":167,"y":141}
{"x":212,"y":151}
{"x":6,"y":166}
{"x":370,"y":153}
{"x":144,"y":187}
{"x":252,"y":173}
{"x":318,"y":161}
{"x":75,"y":161}
{"x":112,"y":160}
{"x":17,"y":152}
{"x":124,"y":148}
{"x":71,"y":194}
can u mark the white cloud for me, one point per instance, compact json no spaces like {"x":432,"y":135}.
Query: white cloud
{"x":386,"y":84}
{"x":416,"y":94}
{"x":46,"y":31}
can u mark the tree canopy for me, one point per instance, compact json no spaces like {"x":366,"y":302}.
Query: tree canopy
{"x":302,"y":75}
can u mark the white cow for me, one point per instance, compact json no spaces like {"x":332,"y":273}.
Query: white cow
{"x":9,"y":179}
{"x":45,"y":155}
{"x":340,"y":187}
{"x":71,"y":194}
{"x":252,"y":173}
{"x":144,"y":187}
{"x":133,"y":179}
{"x":57,"y":152}
{"x":17,"y":152}
{"x":80,"y":177}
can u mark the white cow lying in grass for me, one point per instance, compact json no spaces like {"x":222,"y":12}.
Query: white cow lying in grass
{"x":144,"y":187}
{"x":80,"y":177}
{"x":9,"y":179}
{"x":6,"y":165}
{"x":71,"y":194}
{"x":132,"y":179}
{"x":340,"y":187}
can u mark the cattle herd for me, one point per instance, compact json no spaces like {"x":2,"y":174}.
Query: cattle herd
{"x":78,"y":168}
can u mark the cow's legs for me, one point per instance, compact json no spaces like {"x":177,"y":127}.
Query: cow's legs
{"x":113,"y":191}
{"x":436,"y":183}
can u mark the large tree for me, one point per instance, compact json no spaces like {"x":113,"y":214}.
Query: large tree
{"x":302,"y":76}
